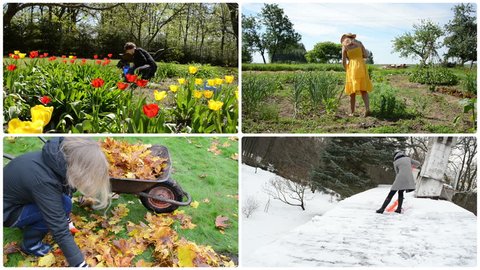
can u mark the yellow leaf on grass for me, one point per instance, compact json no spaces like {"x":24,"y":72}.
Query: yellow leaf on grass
{"x":47,"y":260}
{"x":194,"y":204}
{"x":186,"y":254}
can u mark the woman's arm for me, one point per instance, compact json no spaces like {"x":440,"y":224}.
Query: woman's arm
{"x":415,"y":163}
{"x":364,"y":51}
{"x":344,"y":58}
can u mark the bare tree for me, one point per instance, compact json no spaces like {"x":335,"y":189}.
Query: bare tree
{"x":466,"y":170}
{"x":249,"y":206}
{"x":287,"y":191}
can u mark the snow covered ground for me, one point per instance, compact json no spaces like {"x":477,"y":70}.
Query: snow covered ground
{"x":262,"y":228}
{"x":429,"y":233}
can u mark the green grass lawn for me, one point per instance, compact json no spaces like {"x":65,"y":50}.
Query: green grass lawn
{"x":212,"y":180}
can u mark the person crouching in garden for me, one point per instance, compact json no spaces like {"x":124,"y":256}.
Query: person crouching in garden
{"x":403,"y":179}
{"x":143,"y":63}
{"x":357,"y":80}
{"x":37,"y":192}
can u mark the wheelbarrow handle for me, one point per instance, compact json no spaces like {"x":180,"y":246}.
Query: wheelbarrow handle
{"x":162,"y":199}
{"x":7,"y":156}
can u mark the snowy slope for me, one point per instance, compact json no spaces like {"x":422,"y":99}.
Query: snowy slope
{"x":430,"y":233}
{"x":263,"y":227}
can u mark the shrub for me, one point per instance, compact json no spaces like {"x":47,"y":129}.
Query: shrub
{"x":469,"y":84}
{"x":433,"y":76}
{"x":386,"y":104}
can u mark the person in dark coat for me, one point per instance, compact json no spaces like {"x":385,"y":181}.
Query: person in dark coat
{"x":143,"y":63}
{"x":37,"y":191}
{"x":403,"y":180}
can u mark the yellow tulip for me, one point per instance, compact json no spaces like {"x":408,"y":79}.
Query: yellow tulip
{"x":16,"y":126}
{"x":214,"y":105}
{"x":41,"y":113}
{"x":208,"y":93}
{"x":70,"y":57}
{"x":218,"y":81}
{"x":198,"y":81}
{"x":174,"y":88}
{"x":192,"y":69}
{"x":16,"y":52}
{"x":181,"y":81}
{"x":22,"y":55}
{"x":211,"y":82}
{"x":229,"y":79}
{"x":197,"y":94}
{"x":236,"y":94}
{"x":159,"y":95}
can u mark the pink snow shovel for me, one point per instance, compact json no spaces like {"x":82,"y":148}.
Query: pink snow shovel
{"x":392,"y":207}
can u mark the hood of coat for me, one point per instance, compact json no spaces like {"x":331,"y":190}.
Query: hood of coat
{"x":54,"y":158}
{"x":398,"y":155}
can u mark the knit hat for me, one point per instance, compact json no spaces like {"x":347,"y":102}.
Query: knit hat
{"x":398,"y":153}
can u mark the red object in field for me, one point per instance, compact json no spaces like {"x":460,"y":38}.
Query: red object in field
{"x":392,"y":207}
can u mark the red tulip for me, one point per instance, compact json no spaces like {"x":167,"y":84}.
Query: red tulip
{"x":142,"y":83}
{"x":41,"y":56}
{"x":16,"y":57}
{"x":64,"y":61}
{"x":45,"y":54}
{"x":131,"y":78}
{"x":33,"y":54}
{"x":10,"y":55}
{"x":72,"y":61}
{"x":53,"y":58}
{"x":109,"y":55}
{"x":11,"y":67}
{"x":45,"y":100}
{"x":95,"y":56}
{"x":64,"y":56}
{"x":84,"y":61}
{"x":98,"y":82}
{"x":151,"y":110}
{"x":122,"y":85}
{"x":99,"y":62}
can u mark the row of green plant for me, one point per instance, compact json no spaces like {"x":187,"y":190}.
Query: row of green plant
{"x":84,"y":97}
{"x":385,"y":103}
{"x":292,"y":67}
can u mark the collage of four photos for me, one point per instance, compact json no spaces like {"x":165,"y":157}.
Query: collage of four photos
{"x":239,"y":134}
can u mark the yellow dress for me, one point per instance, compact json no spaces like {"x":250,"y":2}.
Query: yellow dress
{"x":357,"y":78}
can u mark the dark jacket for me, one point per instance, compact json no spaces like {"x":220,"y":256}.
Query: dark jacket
{"x":40,"y":178}
{"x":142,"y":58}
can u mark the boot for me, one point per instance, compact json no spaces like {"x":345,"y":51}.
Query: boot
{"x":32,"y":243}
{"x":399,"y":207}
{"x":386,"y":202}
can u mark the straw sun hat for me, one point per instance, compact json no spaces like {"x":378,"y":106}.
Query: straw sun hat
{"x":348,"y":35}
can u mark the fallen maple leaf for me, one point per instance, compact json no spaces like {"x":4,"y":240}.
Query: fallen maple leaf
{"x":206,"y":200}
{"x":47,"y":260}
{"x":186,"y":254}
{"x":220,"y":222}
{"x":194,"y":204}
{"x":234,"y":156}
{"x":10,"y":248}
{"x":226,"y":144}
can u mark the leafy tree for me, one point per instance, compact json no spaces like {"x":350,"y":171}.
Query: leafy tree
{"x":369,"y":57}
{"x":279,"y":32}
{"x":422,"y":43}
{"x":291,"y":53}
{"x":251,"y":36}
{"x":270,"y":31}
{"x":461,"y":39}
{"x":325,"y":52}
{"x":343,"y":162}
{"x":246,"y":54}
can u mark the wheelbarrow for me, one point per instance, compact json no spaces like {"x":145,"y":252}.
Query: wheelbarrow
{"x":162,"y":195}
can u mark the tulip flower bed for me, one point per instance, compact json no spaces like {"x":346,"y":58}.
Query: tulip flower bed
{"x":45,"y":93}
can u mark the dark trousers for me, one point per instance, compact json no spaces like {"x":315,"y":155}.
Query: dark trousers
{"x":32,"y":223}
{"x":389,"y":198}
{"x":146,"y":71}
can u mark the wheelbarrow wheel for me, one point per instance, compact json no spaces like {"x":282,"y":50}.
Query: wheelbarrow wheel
{"x":165,"y":190}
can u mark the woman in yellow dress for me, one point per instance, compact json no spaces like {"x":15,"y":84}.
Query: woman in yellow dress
{"x":357,"y":80}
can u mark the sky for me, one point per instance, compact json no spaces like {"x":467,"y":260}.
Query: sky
{"x":376,"y":24}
